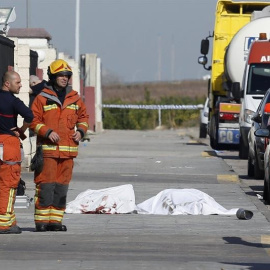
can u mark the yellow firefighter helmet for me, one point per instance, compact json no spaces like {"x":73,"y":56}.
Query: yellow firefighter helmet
{"x":59,"y":67}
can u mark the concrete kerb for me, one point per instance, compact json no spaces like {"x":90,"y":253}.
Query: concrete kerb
{"x":254,"y":199}
{"x":193,"y":134}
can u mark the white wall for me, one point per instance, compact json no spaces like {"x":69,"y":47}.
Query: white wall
{"x":46,"y":53}
{"x":98,"y":95}
{"x":49,"y":55}
{"x":93,"y":79}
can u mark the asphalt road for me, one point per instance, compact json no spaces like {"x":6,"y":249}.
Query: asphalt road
{"x":151,"y":161}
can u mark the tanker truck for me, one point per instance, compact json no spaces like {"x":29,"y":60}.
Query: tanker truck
{"x":237,"y":25}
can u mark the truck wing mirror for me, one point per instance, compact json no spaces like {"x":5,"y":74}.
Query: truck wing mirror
{"x":262,"y":132}
{"x":256,"y":117}
{"x":236,"y":90}
{"x":204,"y":46}
{"x":202,"y":60}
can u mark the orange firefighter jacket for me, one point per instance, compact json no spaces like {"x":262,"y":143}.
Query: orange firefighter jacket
{"x":50,"y":115}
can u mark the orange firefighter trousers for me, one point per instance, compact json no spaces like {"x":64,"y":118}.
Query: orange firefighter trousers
{"x":51,"y":190}
{"x":10,"y":170}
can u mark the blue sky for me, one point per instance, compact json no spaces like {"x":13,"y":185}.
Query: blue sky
{"x":137,"y":40}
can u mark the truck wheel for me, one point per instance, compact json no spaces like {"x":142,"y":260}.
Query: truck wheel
{"x":212,"y":143}
{"x":243,"y":149}
{"x":216,"y":145}
{"x":258,"y":173}
{"x":214,"y":135}
{"x":203,"y":131}
{"x":266,"y":193}
{"x":250,"y":167}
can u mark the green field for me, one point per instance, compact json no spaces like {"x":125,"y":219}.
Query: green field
{"x":162,"y":93}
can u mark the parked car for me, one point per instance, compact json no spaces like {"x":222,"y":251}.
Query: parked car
{"x":265,"y":133}
{"x":257,"y":144}
{"x":204,"y":119}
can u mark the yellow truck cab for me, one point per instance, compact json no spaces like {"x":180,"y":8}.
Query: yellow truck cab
{"x":228,"y":65}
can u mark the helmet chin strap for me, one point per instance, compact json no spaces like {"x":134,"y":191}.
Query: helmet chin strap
{"x":57,"y":87}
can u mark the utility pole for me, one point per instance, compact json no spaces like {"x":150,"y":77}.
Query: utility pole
{"x":27,"y":13}
{"x":159,"y":57}
{"x":172,"y":58}
{"x":77,"y":32}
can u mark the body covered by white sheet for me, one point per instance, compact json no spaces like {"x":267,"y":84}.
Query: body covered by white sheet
{"x":114,"y":200}
{"x":182,"y":202}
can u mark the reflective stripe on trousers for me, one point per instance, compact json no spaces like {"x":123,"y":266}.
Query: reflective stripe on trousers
{"x":50,"y":202}
{"x":7,"y":216}
{"x":51,"y":190}
{"x":9,"y":179}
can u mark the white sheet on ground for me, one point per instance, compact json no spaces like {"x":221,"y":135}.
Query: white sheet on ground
{"x":182,"y":202}
{"x":120,"y":200}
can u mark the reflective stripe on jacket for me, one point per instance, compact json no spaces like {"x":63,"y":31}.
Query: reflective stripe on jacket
{"x":50,"y":115}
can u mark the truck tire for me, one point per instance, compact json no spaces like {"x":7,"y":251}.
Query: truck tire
{"x":214,"y":135}
{"x":243,"y":149}
{"x":212,"y":143}
{"x":203,"y":131}
{"x":266,"y":192}
{"x":250,"y":167}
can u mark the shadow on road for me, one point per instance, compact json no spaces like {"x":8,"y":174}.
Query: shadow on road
{"x":239,"y":241}
{"x":28,"y":229}
{"x":252,"y":266}
{"x":257,"y":188}
{"x":229,"y":157}
{"x":196,"y":143}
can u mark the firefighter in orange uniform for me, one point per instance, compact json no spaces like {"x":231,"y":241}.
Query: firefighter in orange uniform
{"x":10,"y":150}
{"x":60,"y":122}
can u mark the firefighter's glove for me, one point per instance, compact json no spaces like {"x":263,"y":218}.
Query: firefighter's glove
{"x":37,"y":160}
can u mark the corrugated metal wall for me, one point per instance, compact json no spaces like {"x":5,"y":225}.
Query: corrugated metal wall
{"x":6,"y":55}
{"x":33,"y":62}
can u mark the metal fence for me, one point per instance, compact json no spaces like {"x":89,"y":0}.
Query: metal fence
{"x":154,"y":107}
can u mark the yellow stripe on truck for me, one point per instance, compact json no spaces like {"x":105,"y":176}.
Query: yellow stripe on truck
{"x":229,"y":107}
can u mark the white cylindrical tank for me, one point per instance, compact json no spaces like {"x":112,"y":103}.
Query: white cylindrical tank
{"x":237,"y":51}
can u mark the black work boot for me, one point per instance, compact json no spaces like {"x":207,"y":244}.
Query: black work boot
{"x":41,"y":227}
{"x":57,"y":227}
{"x":12,"y":230}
